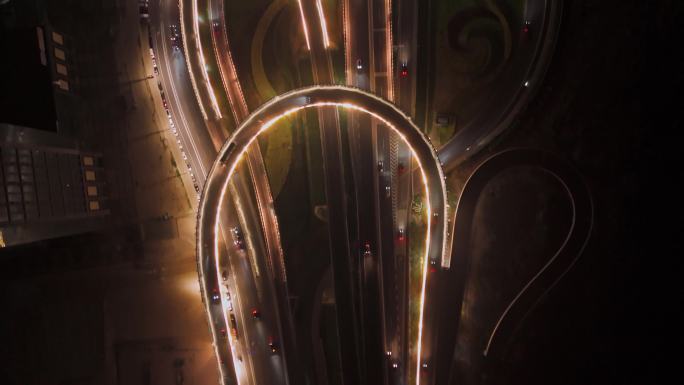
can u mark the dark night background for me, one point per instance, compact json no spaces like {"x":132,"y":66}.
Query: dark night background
{"x":611,"y":103}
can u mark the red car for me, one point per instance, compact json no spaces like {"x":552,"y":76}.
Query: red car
{"x":404,"y":70}
{"x":526,"y":26}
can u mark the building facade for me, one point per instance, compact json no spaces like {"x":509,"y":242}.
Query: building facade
{"x":49,"y":187}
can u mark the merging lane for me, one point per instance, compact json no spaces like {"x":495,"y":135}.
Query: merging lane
{"x":266,"y":213}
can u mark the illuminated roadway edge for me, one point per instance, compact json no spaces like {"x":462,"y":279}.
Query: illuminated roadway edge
{"x":436,"y":245}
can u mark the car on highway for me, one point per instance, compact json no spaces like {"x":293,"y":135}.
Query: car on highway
{"x":359,"y":64}
{"x":400,"y":234}
{"x":224,"y":275}
{"x":233,"y":325}
{"x":272,"y":345}
{"x":404,"y":70}
{"x":526,"y":26}
{"x":215,"y":296}
{"x":144,"y":9}
{"x":224,"y":335}
{"x":401,"y":168}
{"x":366,"y":249}
{"x":238,"y":239}
{"x":388,"y":192}
{"x":256,"y":314}
{"x":229,"y":302}
{"x":443,"y":119}
{"x":381,"y":166}
{"x":174,"y":36}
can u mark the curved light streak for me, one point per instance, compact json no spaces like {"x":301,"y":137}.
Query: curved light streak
{"x":426,"y":254}
{"x":203,"y":64}
{"x":347,"y":45}
{"x":240,"y":111}
{"x":187,"y":60}
{"x":180,"y":113}
{"x":227,"y":170}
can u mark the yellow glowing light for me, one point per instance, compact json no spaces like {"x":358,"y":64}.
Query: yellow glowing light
{"x":203,"y":64}
{"x":388,"y":49}
{"x":291,"y":111}
{"x":187,"y":56}
{"x":324,"y":27}
{"x":242,"y":149}
{"x":306,"y":30}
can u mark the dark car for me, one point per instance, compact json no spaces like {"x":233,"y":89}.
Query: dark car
{"x":256,"y":314}
{"x":404,"y":70}
{"x":366,"y":249}
{"x":272,"y":345}
{"x":144,"y":9}
{"x":526,"y":27}
{"x":215,"y":296}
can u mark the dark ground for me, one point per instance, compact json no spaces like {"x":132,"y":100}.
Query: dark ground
{"x":611,"y":104}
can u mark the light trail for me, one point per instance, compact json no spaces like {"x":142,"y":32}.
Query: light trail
{"x":181,"y":114}
{"x":240,"y":111}
{"x":347,"y":44}
{"x":188,"y":63}
{"x":171,"y":124}
{"x":203,"y":64}
{"x":324,"y":26}
{"x":351,"y":106}
{"x":229,"y":334}
{"x":388,"y":50}
{"x":306,"y":30}
{"x":224,"y":81}
{"x":334,"y":96}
